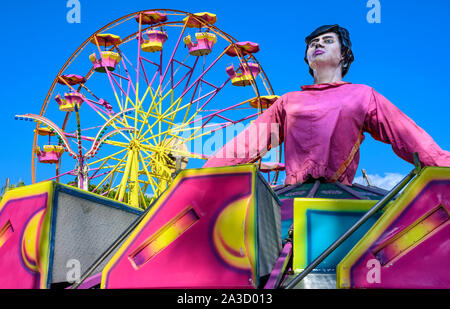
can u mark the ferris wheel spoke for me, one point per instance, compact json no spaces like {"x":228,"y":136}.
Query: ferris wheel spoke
{"x":89,"y":91}
{"x":158,"y":70}
{"x":143,"y":70}
{"x":264,"y":81}
{"x":139,"y":108}
{"x":134,"y":86}
{"x":204,"y":72}
{"x":214,"y":93}
{"x":127,"y":99}
{"x":173,"y":53}
{"x":171,"y":124}
{"x":110,"y":174}
{"x":188,"y":106}
{"x":178,"y":101}
{"x":130,"y":81}
{"x":162,"y":120}
{"x":144,"y":190}
{"x":97,"y":176}
{"x":154,"y":100}
{"x":159,"y":166}
{"x":227,"y":124}
{"x":168,"y":133}
{"x":161,"y":133}
{"x":170,"y":109}
{"x":181,"y":153}
{"x":112,"y":156}
{"x":216,"y":113}
{"x":150,"y":178}
{"x":141,"y":63}
{"x":142,"y":197}
{"x":185,"y":121}
{"x":172,"y":75}
{"x":157,"y":163}
{"x":107,"y":167}
{"x":123,"y":92}
{"x":97,"y":109}
{"x":125,"y":123}
{"x":112,"y":181}
{"x":60,"y":175}
{"x":145,"y":118}
{"x":123,"y":183}
{"x":108,"y":187}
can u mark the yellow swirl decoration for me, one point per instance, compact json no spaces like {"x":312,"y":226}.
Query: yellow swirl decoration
{"x":30,"y":242}
{"x":229,"y":234}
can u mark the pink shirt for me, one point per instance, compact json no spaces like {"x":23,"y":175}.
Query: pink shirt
{"x":322,"y":128}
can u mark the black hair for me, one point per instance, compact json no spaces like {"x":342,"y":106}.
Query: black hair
{"x":344,"y":38}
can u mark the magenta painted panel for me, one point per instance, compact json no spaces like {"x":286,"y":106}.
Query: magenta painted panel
{"x":190,"y":260}
{"x":14,"y":274}
{"x":417,"y":262}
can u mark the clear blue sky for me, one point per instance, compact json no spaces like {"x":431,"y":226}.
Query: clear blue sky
{"x":403,"y":58}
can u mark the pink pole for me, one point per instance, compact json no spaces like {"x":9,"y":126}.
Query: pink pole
{"x":201,"y":75}
{"x":128,"y":74}
{"x":190,"y":76}
{"x":143,"y":58}
{"x":145,"y":74}
{"x":171,"y":57}
{"x":220,"y":88}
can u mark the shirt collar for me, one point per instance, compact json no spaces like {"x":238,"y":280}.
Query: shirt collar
{"x":323,"y":86}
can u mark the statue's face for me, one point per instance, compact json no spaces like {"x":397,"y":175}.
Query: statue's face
{"x":324,"y":50}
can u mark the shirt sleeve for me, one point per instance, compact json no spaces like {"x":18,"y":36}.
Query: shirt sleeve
{"x":386,"y":123}
{"x":252,"y":143}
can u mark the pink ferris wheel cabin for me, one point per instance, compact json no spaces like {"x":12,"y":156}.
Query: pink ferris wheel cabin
{"x":197,"y":20}
{"x":264,"y":101}
{"x":244,"y":75}
{"x":106,"y":40}
{"x":204,"y":41}
{"x":70,"y":100}
{"x":243,"y":48}
{"x":44,"y":131}
{"x":108,"y":59}
{"x":204,"y":44}
{"x":49,"y":153}
{"x":151,"y":17}
{"x":154,"y":40}
{"x":71,"y":79}
{"x":246,"y":72}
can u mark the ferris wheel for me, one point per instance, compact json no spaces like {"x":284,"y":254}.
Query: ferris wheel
{"x":167,"y":83}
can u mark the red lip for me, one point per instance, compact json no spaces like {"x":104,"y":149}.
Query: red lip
{"x":318,"y":52}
